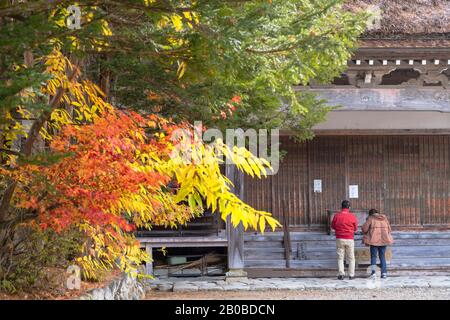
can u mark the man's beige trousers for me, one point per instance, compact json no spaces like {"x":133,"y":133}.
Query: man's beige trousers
{"x":345,"y":248}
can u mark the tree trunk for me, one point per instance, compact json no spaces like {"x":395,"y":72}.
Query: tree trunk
{"x":27,"y":147}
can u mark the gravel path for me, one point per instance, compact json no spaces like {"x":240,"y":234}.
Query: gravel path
{"x":337,"y":294}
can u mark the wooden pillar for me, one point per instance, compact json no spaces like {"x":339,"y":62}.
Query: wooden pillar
{"x":235,"y":236}
{"x":235,"y":246}
{"x":149,"y":265}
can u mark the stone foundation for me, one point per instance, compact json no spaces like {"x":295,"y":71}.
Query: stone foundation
{"x":268,"y":284}
{"x":125,"y":288}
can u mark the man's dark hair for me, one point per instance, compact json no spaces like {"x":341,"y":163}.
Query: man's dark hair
{"x":372,"y":211}
{"x":345,"y":204}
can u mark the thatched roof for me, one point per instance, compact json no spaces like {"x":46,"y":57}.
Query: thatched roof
{"x":406,"y":16}
{"x":404,"y":43}
{"x":411,"y":23}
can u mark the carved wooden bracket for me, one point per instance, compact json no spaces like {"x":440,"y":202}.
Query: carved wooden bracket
{"x":430,"y":77}
{"x":369,"y":73}
{"x":369,"y":78}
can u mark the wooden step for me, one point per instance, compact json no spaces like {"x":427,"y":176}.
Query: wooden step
{"x":317,"y":250}
{"x":330,"y":252}
{"x":263,"y":244}
{"x":317,"y":236}
{"x":332,"y":263}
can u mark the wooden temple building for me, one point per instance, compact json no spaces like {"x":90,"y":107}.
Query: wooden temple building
{"x":386,"y":147}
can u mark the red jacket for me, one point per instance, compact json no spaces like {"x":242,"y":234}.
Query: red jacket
{"x":345,"y":224}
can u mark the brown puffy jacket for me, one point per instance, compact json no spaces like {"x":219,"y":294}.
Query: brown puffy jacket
{"x":377,"y":231}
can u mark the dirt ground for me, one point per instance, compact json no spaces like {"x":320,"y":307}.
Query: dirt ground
{"x":59,"y":293}
{"x":341,"y":294}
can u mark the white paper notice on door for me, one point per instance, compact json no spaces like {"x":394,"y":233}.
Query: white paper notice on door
{"x":317,"y":185}
{"x":353,"y":191}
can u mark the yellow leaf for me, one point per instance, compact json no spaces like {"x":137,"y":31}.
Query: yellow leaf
{"x":262,"y":224}
{"x":181,"y":69}
{"x":177,"y":22}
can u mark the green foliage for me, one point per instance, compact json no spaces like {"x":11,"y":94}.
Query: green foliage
{"x":253,"y":49}
{"x":36,"y":27}
{"x":36,"y":251}
{"x":187,"y":59}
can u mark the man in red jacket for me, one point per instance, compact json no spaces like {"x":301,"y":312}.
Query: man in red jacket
{"x":345,"y":224}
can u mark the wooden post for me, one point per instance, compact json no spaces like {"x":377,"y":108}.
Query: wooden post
{"x":286,"y":235}
{"x":149,"y":265}
{"x":235,"y":236}
{"x":235,"y":246}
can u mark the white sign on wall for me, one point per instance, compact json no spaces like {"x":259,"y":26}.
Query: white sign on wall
{"x":318,"y":185}
{"x":353,"y":191}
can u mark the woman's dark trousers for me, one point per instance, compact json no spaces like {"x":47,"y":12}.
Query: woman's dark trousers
{"x":381,"y":250}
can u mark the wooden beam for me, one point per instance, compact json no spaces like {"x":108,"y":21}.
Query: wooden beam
{"x":184,"y":242}
{"x":402,"y":53}
{"x":384,"y":98}
{"x":357,"y":132}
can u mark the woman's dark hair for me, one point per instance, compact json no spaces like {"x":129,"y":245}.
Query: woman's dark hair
{"x":372,"y":211}
{"x":345,"y":204}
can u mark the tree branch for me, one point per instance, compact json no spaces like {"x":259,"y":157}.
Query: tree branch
{"x":7,"y":151}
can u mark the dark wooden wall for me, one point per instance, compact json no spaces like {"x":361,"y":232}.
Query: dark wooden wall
{"x":405,"y":177}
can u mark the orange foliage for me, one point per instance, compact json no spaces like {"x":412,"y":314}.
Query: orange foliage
{"x":91,"y":180}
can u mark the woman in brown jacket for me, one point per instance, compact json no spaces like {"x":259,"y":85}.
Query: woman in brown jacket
{"x":377,"y":234}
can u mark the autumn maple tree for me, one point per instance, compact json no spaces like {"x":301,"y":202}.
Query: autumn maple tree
{"x":115,"y":178}
{"x":113,"y":173}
